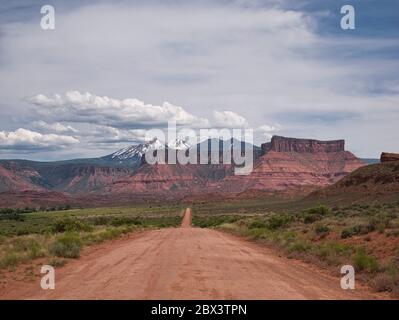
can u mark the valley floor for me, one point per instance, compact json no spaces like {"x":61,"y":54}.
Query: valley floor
{"x":185,"y":263}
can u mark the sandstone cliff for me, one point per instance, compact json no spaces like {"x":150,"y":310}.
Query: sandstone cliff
{"x":387,"y":157}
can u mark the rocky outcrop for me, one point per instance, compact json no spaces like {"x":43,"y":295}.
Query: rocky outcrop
{"x":283,"y":144}
{"x":289,"y":163}
{"x":388,"y":157}
{"x":376,"y":182}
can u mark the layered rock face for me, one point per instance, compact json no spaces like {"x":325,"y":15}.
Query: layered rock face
{"x":387,"y":157}
{"x":283,"y":144}
{"x":291,"y":163}
{"x":13,"y":179}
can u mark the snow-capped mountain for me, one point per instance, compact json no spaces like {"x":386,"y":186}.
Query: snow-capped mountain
{"x":178,"y":144}
{"x":137,"y":150}
{"x":132,"y":155}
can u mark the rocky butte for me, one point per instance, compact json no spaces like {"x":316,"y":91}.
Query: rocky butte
{"x":290,"y":163}
{"x":388,"y":157}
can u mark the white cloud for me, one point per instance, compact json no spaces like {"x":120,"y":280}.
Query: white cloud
{"x":53,"y":127}
{"x":106,"y":134}
{"x":89,"y":108}
{"x":268,"y":130}
{"x":229,"y":119}
{"x":23,"y":139}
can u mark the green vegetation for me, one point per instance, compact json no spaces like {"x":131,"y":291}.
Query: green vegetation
{"x":327,"y":236}
{"x":364,"y":262}
{"x":29,"y":234}
{"x":67,"y":245}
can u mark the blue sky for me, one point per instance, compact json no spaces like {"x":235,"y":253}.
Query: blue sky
{"x":110,"y":70}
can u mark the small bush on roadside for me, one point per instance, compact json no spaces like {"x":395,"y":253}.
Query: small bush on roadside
{"x":56,"y":262}
{"x":299,"y":246}
{"x":11,"y":259}
{"x":382,"y":282}
{"x":67,"y":246}
{"x":257,"y":224}
{"x":364,"y":262}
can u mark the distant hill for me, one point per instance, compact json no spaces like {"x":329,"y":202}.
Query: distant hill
{"x":376,"y":182}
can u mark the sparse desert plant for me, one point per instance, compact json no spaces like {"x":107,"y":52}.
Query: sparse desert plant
{"x":363,"y":262}
{"x":57,"y":262}
{"x":321,"y":228}
{"x":382,"y":282}
{"x":67,"y":245}
{"x":299,"y":246}
{"x":356,"y":230}
{"x":257,"y":224}
{"x":11,"y":259}
{"x":279,"y":221}
{"x":311,"y":218}
{"x":70,"y":225}
{"x":318,"y":210}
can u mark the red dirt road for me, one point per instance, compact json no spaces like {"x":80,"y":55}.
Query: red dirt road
{"x":185,"y":263}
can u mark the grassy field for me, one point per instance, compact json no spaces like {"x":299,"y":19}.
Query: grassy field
{"x":56,"y":235}
{"x":365,"y":236}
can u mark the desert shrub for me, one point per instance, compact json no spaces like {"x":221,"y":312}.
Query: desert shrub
{"x":107,"y":234}
{"x":257,"y":224}
{"x":299,"y":246}
{"x":258,"y":233}
{"x":28,"y":247}
{"x":321,"y":229}
{"x":229,"y":226}
{"x":213,"y":221}
{"x":67,"y":245}
{"x":382,"y":282}
{"x":332,"y":252}
{"x":364,"y":262}
{"x":346,"y":233}
{"x":381,"y":221}
{"x":356,"y":230}
{"x":279,"y":221}
{"x":10,"y":259}
{"x":125,"y":221}
{"x":310,"y":218}
{"x":100,"y":220}
{"x":318,"y":210}
{"x":56,"y":262}
{"x":70,"y":225}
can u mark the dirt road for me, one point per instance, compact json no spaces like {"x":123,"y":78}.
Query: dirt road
{"x":185,"y":263}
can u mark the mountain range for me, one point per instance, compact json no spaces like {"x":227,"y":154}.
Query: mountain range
{"x":281,"y":165}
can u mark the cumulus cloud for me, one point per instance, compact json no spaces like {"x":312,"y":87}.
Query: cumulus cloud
{"x":229,"y":119}
{"x":53,"y":127}
{"x":106,"y":134}
{"x":23,"y":139}
{"x":90,"y":108}
{"x":268,"y":130}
